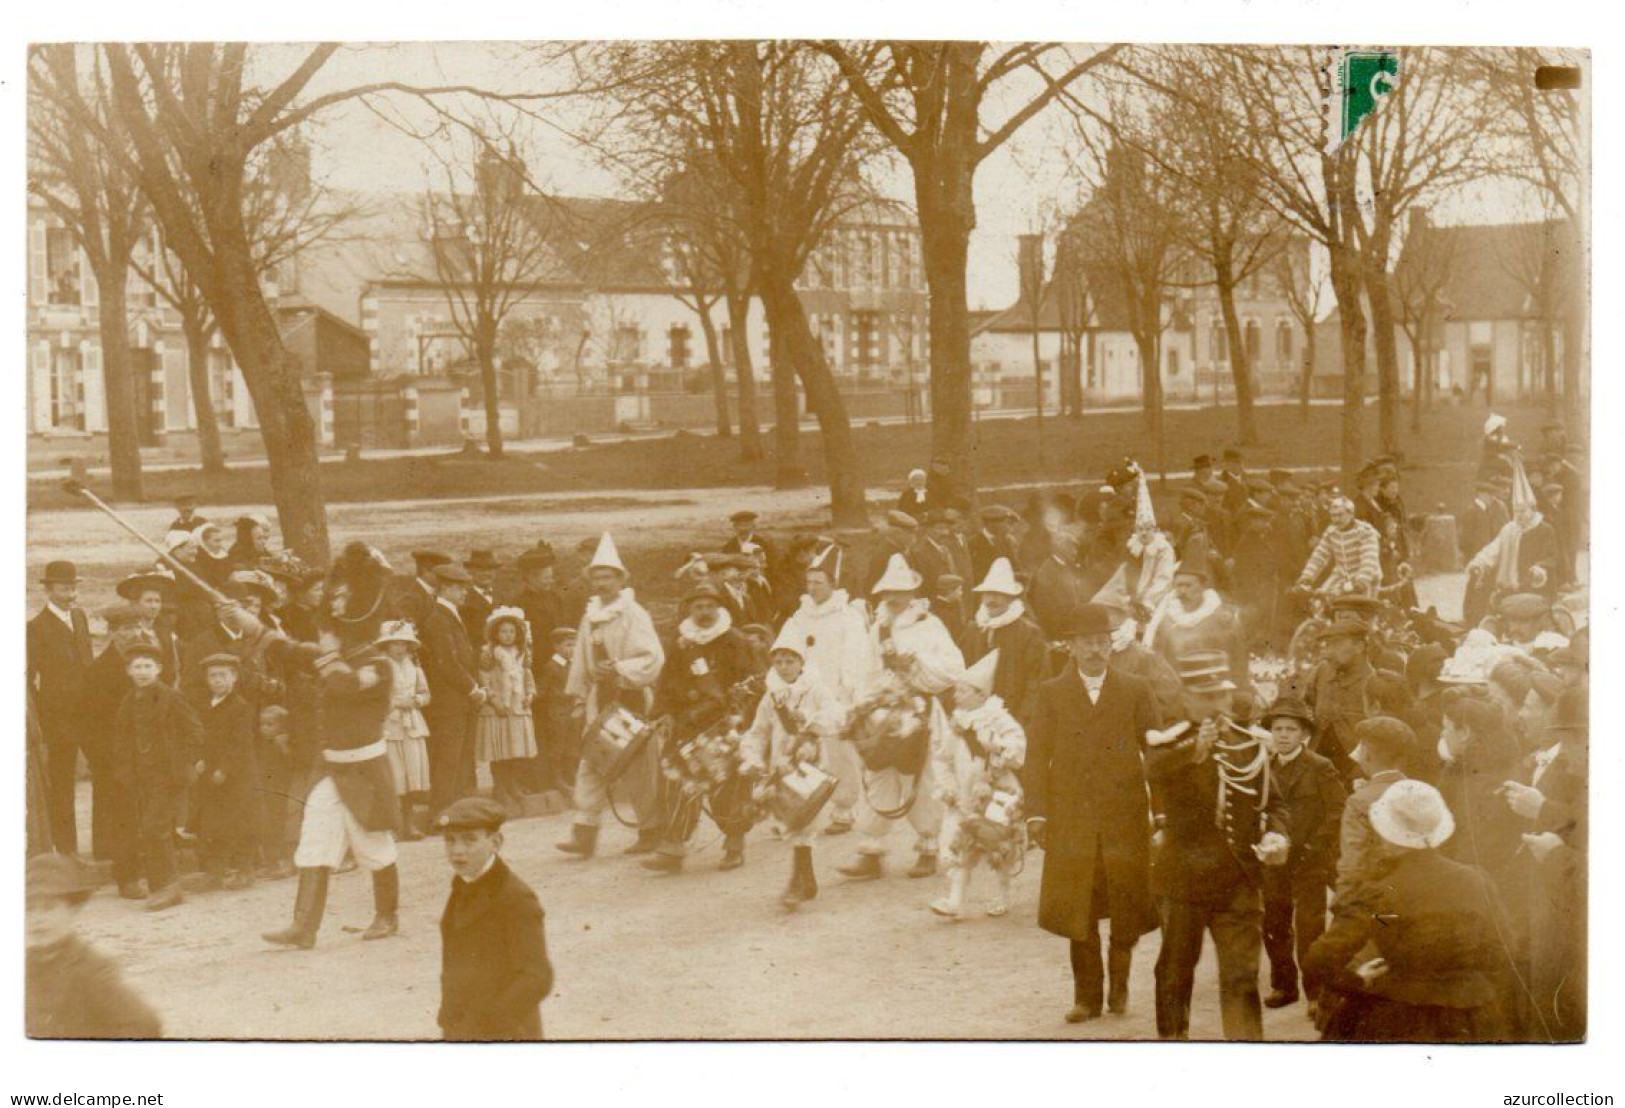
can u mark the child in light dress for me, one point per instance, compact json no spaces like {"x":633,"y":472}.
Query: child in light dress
{"x":505,"y":733}
{"x":405,"y":732}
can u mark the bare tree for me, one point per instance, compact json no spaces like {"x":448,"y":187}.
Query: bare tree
{"x":699,"y":291}
{"x":1425,"y":266}
{"x":1074,"y":306}
{"x":87,"y":187}
{"x":927,"y":99}
{"x":489,"y":250}
{"x":1301,"y":288}
{"x":1541,"y":257}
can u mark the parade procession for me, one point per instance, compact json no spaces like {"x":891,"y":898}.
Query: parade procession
{"x":655,"y":539}
{"x":1172,"y":736}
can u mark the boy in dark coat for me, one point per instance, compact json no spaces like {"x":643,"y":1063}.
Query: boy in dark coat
{"x":227,"y":821}
{"x":157,"y":745}
{"x":494,"y":972}
{"x":558,"y":721}
{"x":1087,"y":809}
{"x":1295,"y":894}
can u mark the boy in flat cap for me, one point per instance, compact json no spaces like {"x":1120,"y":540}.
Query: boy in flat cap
{"x":157,"y":743}
{"x":230,"y":769}
{"x":494,"y":971}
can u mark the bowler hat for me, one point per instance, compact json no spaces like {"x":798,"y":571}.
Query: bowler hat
{"x":482,"y":559}
{"x":452,"y":574}
{"x":427,"y":560}
{"x":1089,"y":620}
{"x":57,"y":876}
{"x":471,"y":813}
{"x":61,"y":573}
{"x":744,"y":515}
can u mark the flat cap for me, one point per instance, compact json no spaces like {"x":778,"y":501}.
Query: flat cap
{"x":228,"y":660}
{"x":143,"y":650}
{"x":471,"y":813}
{"x":1385,"y":733}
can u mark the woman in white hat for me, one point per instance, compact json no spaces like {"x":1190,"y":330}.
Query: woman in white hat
{"x":405,"y":731}
{"x":1427,"y":964}
{"x":978,"y":785}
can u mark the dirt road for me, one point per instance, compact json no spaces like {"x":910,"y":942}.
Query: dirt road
{"x":701,"y":955}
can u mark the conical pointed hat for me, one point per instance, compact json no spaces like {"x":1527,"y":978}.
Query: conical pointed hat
{"x":1523,"y":496}
{"x":1001,"y":578}
{"x":828,"y":560}
{"x":1145,"y":517}
{"x":980,"y":675}
{"x":794,"y":643}
{"x":606,"y":556}
{"x":898,"y":577}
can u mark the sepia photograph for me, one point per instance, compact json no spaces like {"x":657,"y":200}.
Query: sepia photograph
{"x":651,"y":539}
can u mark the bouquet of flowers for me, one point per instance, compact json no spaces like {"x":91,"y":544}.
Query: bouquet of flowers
{"x":995,"y":829}
{"x":891,"y":730}
{"x":706,"y":762}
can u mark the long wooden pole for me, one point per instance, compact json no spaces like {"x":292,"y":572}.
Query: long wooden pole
{"x":74,"y":488}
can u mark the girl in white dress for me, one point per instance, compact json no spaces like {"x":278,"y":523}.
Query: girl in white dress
{"x":405,"y":731}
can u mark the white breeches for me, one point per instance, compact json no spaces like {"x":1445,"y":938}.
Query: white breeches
{"x":888,"y":789}
{"x":328,"y":828}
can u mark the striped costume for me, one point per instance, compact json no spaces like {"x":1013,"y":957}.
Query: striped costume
{"x":1354,"y":555}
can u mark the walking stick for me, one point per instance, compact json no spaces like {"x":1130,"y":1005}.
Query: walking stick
{"x":74,"y":488}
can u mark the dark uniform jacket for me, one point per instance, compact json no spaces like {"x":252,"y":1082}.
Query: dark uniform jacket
{"x":74,"y":992}
{"x":353,"y":702}
{"x":1207,"y":850}
{"x":1086,"y":778}
{"x":58,"y":657}
{"x":494,"y":971}
{"x":1338,"y":696}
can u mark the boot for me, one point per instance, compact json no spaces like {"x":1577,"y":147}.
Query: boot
{"x":166,"y":897}
{"x":733,"y":852}
{"x":386,"y":904}
{"x":1281,"y":998}
{"x":409,"y":831}
{"x":865,"y":868}
{"x":803,"y":885}
{"x":583,"y":840}
{"x":667,"y":859}
{"x":924,"y":866}
{"x":1118,"y":960}
{"x":647,"y":842}
{"x":309,"y":905}
{"x":953,"y":904}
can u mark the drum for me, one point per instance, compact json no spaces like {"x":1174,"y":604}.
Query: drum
{"x":799,"y":795}
{"x":615,"y":738}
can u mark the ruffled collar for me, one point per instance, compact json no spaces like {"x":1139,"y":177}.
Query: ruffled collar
{"x":599,"y":612}
{"x":1177,"y":615}
{"x":986,"y":622}
{"x":813,"y":610}
{"x":916,"y":611}
{"x":692,"y":634}
{"x":991,"y":709}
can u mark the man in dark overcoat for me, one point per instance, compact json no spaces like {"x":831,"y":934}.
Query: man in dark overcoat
{"x":455,"y":696}
{"x":59,"y":653}
{"x":494,"y":970}
{"x":1086,"y":798}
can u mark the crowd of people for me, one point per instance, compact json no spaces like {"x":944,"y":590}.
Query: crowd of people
{"x":1239,"y":725}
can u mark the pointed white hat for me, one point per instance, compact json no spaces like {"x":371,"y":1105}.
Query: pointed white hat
{"x":606,"y":556}
{"x":794,"y":643}
{"x":1145,"y":517}
{"x":828,"y":560}
{"x":1523,"y":495}
{"x":980,"y":675}
{"x":898,"y":577}
{"x":1001,"y":578}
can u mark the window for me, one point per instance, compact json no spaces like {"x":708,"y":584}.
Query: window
{"x":1250,"y":335}
{"x":223,"y":386}
{"x":1217,"y":343}
{"x":1173,"y":362}
{"x":866,"y":339}
{"x":61,"y":267}
{"x":725,"y":339}
{"x":625,"y":341}
{"x":1283,"y":343}
{"x":67,"y":390}
{"x":677,"y":346}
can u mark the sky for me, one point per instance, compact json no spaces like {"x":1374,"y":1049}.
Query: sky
{"x":1020,"y":188}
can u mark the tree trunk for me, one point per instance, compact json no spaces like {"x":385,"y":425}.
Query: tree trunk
{"x":210,"y":452}
{"x":947,"y":214}
{"x":1418,"y":378}
{"x":719,"y":376}
{"x":1379,"y":289}
{"x":1241,"y":367}
{"x":485,"y":353}
{"x":793,"y":343}
{"x":1308,"y":372}
{"x":1548,"y":361}
{"x":273,"y":382}
{"x":750,"y":431}
{"x":1346,"y":286}
{"x":118,"y":386}
{"x":1149,"y":346}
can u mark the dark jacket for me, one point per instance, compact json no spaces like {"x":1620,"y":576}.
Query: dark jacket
{"x":696,"y":678}
{"x":1312,"y":791}
{"x":1023,"y":662}
{"x":448,"y":657}
{"x":494,"y":971}
{"x":353,"y":702}
{"x":57,"y":660}
{"x":475,"y":611}
{"x":74,"y":992}
{"x":157,"y":740}
{"x":229,"y":732}
{"x":1085,"y":776}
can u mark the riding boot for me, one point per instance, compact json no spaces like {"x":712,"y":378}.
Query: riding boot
{"x":1118,"y":961}
{"x":309,"y":905}
{"x":583,"y":840}
{"x":386,"y":904}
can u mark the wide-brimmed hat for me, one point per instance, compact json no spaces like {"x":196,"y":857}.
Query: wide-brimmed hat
{"x":899,"y":577}
{"x":252,"y":582}
{"x":535,"y":559}
{"x":57,"y":876}
{"x":60,"y":573}
{"x":398,"y":630}
{"x":1203,"y":671}
{"x":482,"y":559}
{"x":1288,"y":707}
{"x":134,"y":585}
{"x":515,"y":616}
{"x":1001,"y":579}
{"x":1414,"y":815}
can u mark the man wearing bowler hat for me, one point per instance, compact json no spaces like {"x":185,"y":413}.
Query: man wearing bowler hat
{"x":494,"y":969}
{"x":411,"y":598}
{"x":1086,"y":806}
{"x":745,"y":535}
{"x":59,"y":653}
{"x":476,"y":607}
{"x":449,"y":664}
